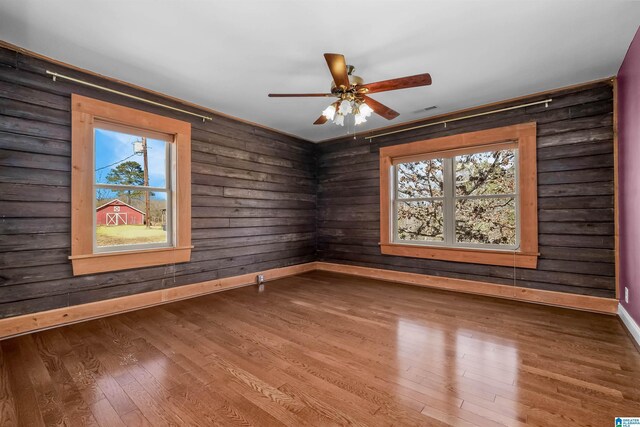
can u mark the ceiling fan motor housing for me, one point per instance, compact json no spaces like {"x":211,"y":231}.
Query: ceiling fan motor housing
{"x":353,"y":79}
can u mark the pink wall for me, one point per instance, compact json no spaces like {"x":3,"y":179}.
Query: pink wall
{"x":629,"y":176}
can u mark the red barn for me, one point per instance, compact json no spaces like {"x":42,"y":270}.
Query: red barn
{"x":117,"y":212}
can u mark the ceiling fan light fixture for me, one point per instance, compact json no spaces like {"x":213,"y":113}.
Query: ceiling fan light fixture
{"x":345,"y":107}
{"x":365,"y":110}
{"x":337,"y":111}
{"x":352,"y":92}
{"x":329,"y":112}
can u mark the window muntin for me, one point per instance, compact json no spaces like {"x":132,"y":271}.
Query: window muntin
{"x":132,"y":188}
{"x":457,"y":200}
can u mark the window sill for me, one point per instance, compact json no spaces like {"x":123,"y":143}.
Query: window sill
{"x":113,"y":261}
{"x":469,"y":255}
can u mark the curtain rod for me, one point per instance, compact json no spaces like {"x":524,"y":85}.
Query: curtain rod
{"x":515,"y":107}
{"x":148,"y":101}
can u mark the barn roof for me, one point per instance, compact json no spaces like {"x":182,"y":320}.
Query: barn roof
{"x":118,"y":200}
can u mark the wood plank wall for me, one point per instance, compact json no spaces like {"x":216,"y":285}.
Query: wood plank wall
{"x":575,"y":190}
{"x":253,"y":190}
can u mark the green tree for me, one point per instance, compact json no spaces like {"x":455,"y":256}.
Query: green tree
{"x":127,"y":173}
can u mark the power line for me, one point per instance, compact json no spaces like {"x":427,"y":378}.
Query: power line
{"x":115,"y":163}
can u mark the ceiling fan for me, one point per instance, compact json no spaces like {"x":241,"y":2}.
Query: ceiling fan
{"x":352,"y":93}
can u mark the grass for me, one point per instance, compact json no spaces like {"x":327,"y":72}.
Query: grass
{"x":128,"y":235}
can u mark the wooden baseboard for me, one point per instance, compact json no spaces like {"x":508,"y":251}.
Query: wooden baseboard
{"x":560,"y":299}
{"x":18,"y":325}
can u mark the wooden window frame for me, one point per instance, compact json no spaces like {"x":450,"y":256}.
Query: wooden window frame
{"x":85,"y":112}
{"x":524,"y":137}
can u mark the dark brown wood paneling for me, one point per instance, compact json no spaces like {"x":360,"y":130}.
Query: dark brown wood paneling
{"x":254,"y":195}
{"x":575,"y":189}
{"x":255,"y":191}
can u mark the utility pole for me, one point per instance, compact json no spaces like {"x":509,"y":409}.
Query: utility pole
{"x":147,"y":201}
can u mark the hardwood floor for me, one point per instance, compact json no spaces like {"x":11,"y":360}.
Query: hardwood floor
{"x":326,"y":349}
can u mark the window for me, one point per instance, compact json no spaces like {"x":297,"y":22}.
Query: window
{"x":136,"y":210}
{"x":468,"y":198}
{"x":133,"y":184}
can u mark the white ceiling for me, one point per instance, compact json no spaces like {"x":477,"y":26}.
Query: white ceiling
{"x":227,"y":55}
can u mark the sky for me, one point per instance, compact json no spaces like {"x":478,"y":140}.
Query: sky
{"x":113,"y":148}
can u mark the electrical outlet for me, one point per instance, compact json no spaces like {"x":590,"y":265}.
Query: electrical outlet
{"x":626,"y":295}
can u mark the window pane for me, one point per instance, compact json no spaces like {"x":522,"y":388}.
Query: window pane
{"x":486,"y":221}
{"x":121,"y":223}
{"x":491,"y":172}
{"x":420,"y":179}
{"x":421,"y":221}
{"x":119,"y":159}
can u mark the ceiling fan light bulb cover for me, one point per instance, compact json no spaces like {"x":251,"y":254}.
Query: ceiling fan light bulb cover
{"x":329,"y":112}
{"x":365,"y":110}
{"x":339,"y":120}
{"x":345,"y":107}
{"x":360,"y":119}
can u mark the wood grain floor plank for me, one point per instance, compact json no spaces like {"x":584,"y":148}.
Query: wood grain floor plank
{"x":72,"y":401}
{"x":24,"y":394}
{"x":50,"y":403}
{"x":326,"y":349}
{"x":153,"y":410}
{"x":135,"y":419}
{"x":7,"y":404}
{"x":84,"y":382}
{"x":89,"y":353}
{"x":105,"y":415}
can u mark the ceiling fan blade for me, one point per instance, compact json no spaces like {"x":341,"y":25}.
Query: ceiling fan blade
{"x":297,"y":95}
{"x":400,"y":83}
{"x":338,"y":68}
{"x":321,"y":120}
{"x":380,"y":109}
